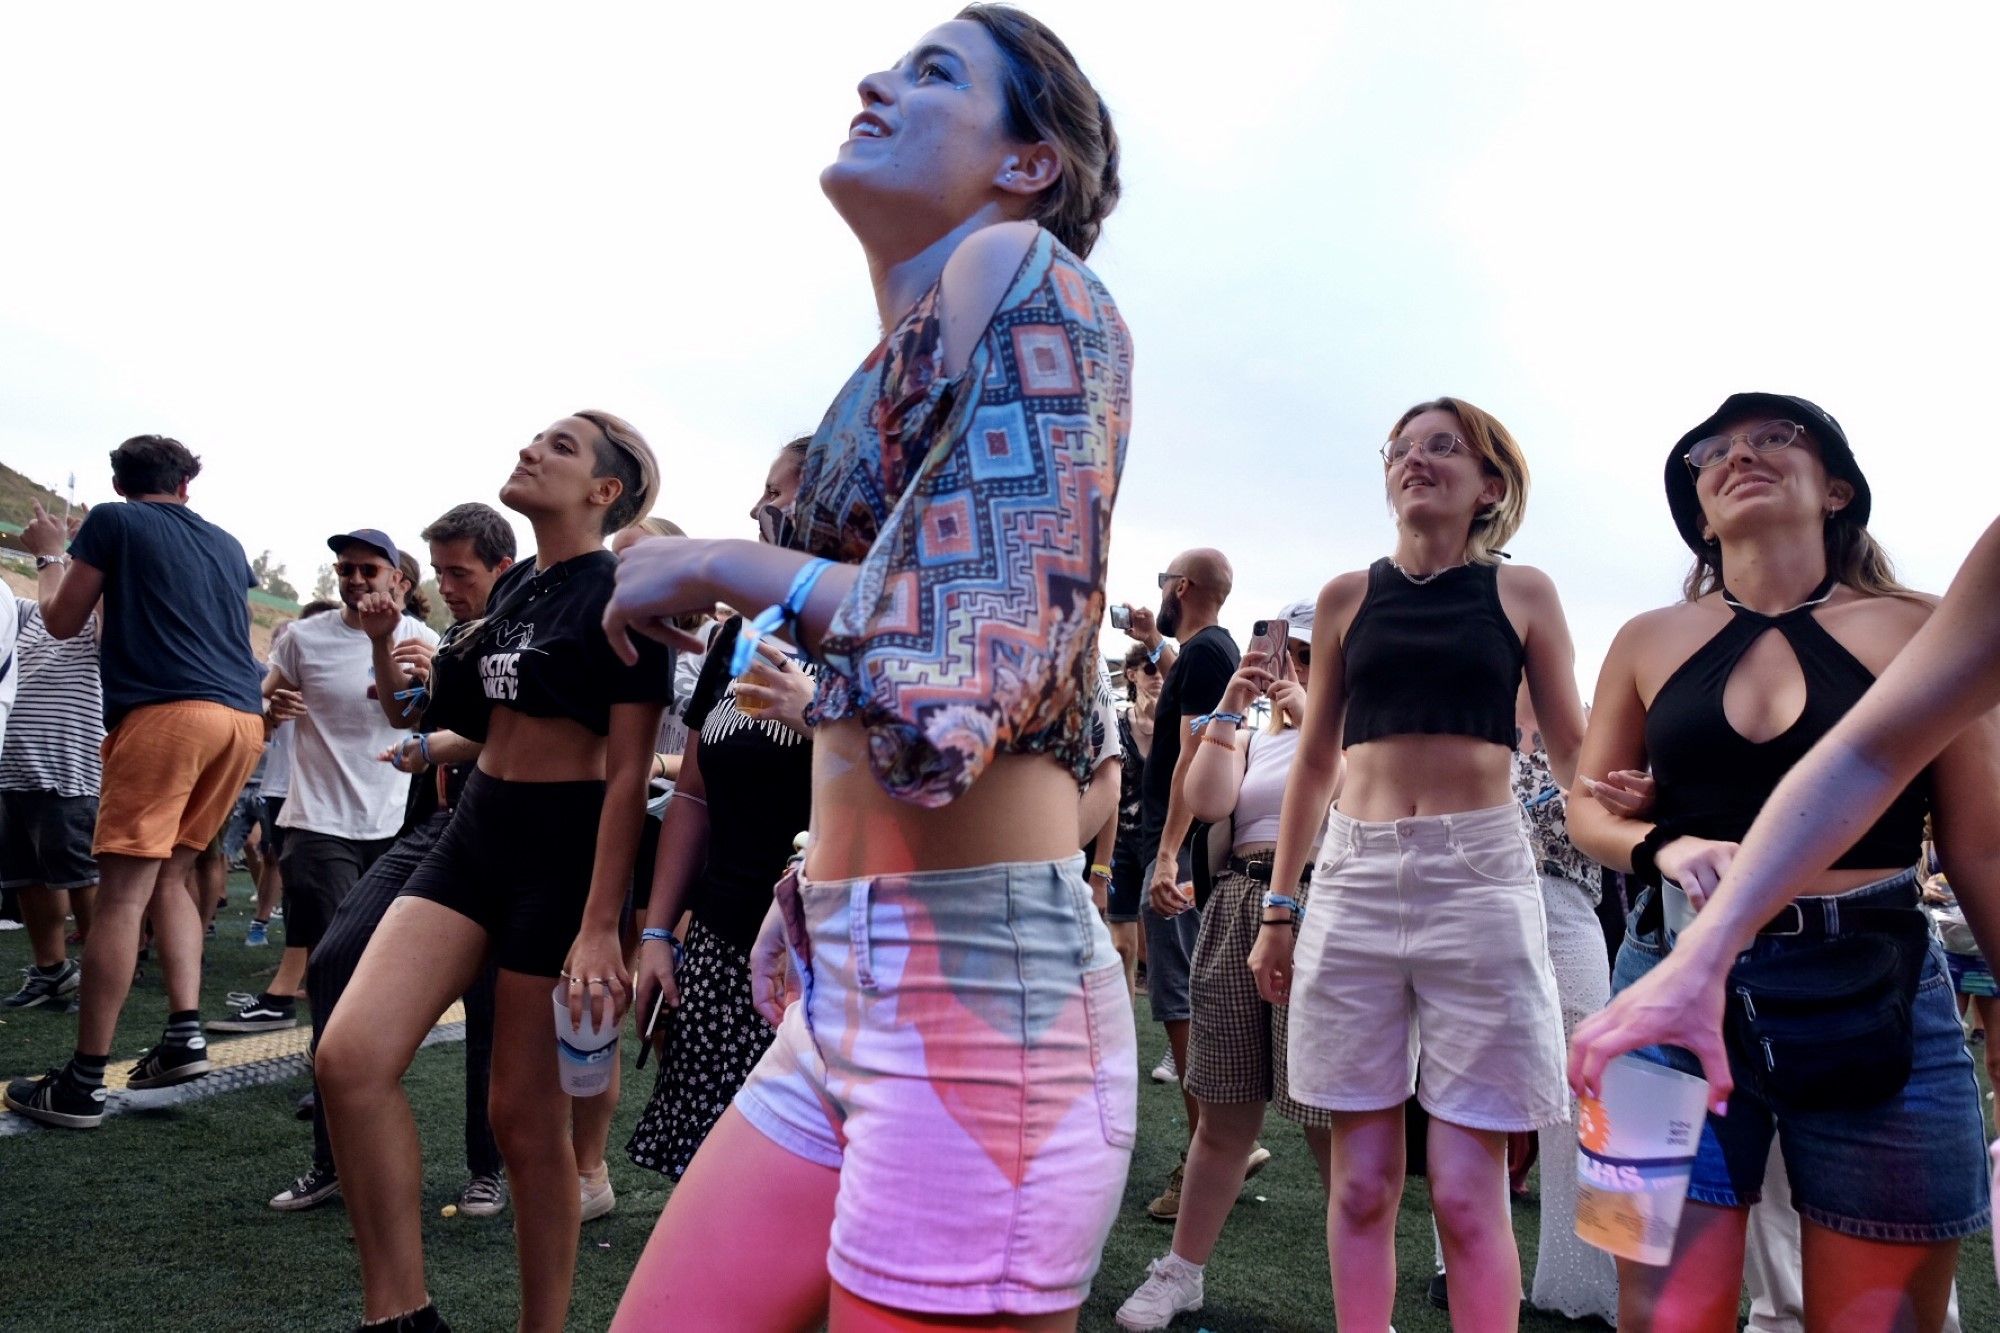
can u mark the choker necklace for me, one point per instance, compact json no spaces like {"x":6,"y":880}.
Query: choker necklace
{"x":1825,"y":593}
{"x":1421,"y":579}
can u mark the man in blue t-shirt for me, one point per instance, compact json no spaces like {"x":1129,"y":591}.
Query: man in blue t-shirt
{"x":183,"y":713}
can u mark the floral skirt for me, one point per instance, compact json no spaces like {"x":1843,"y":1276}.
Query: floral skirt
{"x":713,"y":1042}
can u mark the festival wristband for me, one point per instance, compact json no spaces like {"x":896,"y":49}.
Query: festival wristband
{"x":1219,"y":716}
{"x":1286,"y":901}
{"x":1100,"y":872}
{"x":771,"y":618}
{"x":424,"y":748}
{"x":414,"y":700}
{"x":662,"y":933}
{"x":1153,"y":654}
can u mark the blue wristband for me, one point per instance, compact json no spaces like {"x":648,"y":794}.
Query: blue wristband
{"x":1194,"y":727}
{"x":424,"y":748}
{"x":1285,"y":901}
{"x":771,"y":618}
{"x":662,"y":933}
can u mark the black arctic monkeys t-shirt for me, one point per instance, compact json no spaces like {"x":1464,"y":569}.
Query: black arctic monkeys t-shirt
{"x":541,"y":651}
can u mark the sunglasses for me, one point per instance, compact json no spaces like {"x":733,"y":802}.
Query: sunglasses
{"x":1170,"y":577}
{"x":1148,"y":666}
{"x":358,"y":569}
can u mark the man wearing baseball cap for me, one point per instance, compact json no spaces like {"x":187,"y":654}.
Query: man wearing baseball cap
{"x":346,"y":804}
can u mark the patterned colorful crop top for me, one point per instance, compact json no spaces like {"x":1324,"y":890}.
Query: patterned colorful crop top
{"x":978,"y":508}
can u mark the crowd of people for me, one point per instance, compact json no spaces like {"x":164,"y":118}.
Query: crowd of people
{"x":876,"y":867}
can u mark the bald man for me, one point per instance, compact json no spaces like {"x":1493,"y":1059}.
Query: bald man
{"x":1192,"y":591}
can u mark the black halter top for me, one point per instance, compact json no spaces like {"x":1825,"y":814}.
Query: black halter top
{"x":1712,"y":781}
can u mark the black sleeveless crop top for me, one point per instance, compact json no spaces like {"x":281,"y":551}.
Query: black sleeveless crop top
{"x":1711,"y":781}
{"x":1435,"y":658}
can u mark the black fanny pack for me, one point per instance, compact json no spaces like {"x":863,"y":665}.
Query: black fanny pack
{"x":1827,"y":1026}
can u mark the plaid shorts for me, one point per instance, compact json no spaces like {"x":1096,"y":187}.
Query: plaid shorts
{"x":1236,"y":1042}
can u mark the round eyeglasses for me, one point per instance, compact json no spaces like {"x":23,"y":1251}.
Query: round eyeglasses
{"x":1438,"y":444}
{"x":1767,"y":438}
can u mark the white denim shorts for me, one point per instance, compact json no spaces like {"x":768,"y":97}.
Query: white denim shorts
{"x":964,"y":1053}
{"x":1422,"y":968}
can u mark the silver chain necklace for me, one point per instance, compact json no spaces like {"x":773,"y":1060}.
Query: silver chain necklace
{"x":1421,"y":579}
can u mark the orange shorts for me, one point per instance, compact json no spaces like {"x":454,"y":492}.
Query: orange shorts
{"x":172,"y":773}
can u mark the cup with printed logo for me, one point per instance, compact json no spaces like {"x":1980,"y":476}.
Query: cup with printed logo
{"x":1635,"y":1151}
{"x":586,"y":1055}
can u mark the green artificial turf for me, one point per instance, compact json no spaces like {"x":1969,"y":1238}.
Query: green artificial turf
{"x":158,"y":1221}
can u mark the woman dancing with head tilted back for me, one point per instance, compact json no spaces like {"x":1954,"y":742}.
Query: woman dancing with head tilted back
{"x":531,"y":872}
{"x":941,"y":1130}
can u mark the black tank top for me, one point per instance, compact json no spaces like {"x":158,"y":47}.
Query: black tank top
{"x":1438,"y":658}
{"x":1712,"y":781}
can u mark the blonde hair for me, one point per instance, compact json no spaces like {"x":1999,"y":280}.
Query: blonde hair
{"x":1494,"y":446}
{"x":626,"y":456}
{"x":661,"y":527}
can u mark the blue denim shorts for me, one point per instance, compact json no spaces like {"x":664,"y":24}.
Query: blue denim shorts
{"x":1911,"y":1170}
{"x":963,"y":1053}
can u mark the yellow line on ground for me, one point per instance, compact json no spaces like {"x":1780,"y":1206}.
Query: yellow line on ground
{"x":255,"y":1047}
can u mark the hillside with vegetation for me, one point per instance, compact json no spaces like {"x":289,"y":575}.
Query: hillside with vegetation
{"x":18,"y":496}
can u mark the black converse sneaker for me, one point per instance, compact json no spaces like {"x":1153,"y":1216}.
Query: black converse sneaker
{"x":41,"y":987}
{"x":170,"y":1063}
{"x":261,"y":1014}
{"x":310,"y":1190}
{"x":56,"y":1100}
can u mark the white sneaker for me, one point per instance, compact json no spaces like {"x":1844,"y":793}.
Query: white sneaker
{"x":1172,"y":1287}
{"x":1164,"y":1072}
{"x":597,"y":1202}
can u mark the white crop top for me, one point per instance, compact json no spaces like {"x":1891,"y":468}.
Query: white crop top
{"x":1262,"y":795}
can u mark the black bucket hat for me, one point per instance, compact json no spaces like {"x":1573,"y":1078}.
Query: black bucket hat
{"x":1835,"y":453}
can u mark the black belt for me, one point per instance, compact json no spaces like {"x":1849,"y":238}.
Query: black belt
{"x":1259,"y":869}
{"x":1824,"y":918}
{"x":1801,"y":918}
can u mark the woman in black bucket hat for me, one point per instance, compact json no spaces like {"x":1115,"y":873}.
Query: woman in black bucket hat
{"x":1791,"y":611}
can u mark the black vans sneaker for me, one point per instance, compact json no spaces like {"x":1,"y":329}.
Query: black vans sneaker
{"x":166,"y":1065}
{"x":259,"y":1015}
{"x":310,"y":1190}
{"x":56,"y":1100}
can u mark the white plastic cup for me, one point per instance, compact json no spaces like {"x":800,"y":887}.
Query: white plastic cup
{"x":585,"y":1056}
{"x":1676,"y":907}
{"x":1635,"y":1151}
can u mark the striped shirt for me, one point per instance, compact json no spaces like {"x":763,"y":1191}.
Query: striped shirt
{"x":57,"y":726}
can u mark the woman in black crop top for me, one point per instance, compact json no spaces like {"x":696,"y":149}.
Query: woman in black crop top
{"x":532,"y":872}
{"x":1790,"y":614}
{"x":1426,"y":928}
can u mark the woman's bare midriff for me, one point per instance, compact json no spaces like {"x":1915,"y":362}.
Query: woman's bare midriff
{"x":1022,"y":808}
{"x":520,"y":748}
{"x":1401,"y":776}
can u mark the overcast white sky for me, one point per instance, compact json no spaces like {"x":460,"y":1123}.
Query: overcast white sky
{"x":355,"y":255}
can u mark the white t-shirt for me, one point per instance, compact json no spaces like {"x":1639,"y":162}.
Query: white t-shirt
{"x":338,"y":786}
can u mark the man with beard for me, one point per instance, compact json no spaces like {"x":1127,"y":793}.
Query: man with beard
{"x":471,"y":546}
{"x":1192,"y":591}
{"x":345,"y":805}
